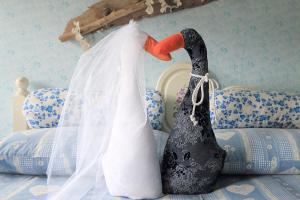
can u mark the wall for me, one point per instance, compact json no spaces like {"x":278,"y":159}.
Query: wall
{"x":250,"y":42}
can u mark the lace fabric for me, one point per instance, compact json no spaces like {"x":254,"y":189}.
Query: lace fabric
{"x":110,"y":149}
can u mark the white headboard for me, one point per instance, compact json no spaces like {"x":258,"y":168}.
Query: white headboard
{"x":172,"y":81}
{"x":19,"y":121}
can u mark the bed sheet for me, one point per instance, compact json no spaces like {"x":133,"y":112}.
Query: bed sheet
{"x":275,"y":187}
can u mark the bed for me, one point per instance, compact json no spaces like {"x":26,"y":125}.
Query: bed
{"x":273,"y":187}
{"x":265,"y":185}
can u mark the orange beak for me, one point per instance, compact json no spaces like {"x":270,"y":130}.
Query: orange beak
{"x":150,"y":45}
{"x":162,"y":49}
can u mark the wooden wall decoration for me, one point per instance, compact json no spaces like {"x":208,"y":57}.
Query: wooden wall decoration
{"x":108,"y":13}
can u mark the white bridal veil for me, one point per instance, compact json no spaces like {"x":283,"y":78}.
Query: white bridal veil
{"x":104,"y":142}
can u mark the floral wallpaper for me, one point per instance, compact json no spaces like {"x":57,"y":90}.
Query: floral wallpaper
{"x":250,"y":42}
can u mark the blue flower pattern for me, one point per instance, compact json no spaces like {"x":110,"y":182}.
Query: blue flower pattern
{"x":155,"y":108}
{"x":43,"y":107}
{"x":255,"y":109}
{"x":251,"y":109}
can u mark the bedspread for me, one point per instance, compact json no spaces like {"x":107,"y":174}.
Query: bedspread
{"x":275,"y":187}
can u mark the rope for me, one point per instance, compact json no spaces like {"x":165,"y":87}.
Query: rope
{"x":82,"y":41}
{"x":204,"y":79}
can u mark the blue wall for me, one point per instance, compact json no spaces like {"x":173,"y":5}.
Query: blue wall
{"x":250,"y":42}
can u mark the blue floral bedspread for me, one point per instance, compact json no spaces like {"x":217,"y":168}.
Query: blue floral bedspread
{"x":271,"y":187}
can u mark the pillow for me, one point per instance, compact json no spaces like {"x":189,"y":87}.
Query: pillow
{"x":260,"y":150}
{"x":28,"y":152}
{"x":245,"y":108}
{"x":155,"y":108}
{"x":42,"y":108}
{"x":249,"y":151}
{"x":255,"y":150}
{"x":255,"y":109}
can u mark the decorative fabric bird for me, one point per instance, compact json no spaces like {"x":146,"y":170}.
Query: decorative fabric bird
{"x":192,"y":158}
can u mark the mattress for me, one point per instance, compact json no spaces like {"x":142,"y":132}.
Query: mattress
{"x":23,"y":187}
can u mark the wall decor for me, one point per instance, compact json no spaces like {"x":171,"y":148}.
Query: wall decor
{"x":108,"y":13}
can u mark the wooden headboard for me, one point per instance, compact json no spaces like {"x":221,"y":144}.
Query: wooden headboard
{"x":19,"y":121}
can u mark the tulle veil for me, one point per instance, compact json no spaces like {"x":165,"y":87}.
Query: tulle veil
{"x":87,"y":118}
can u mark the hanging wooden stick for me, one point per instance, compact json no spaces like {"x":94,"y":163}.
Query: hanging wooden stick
{"x":107,"y":13}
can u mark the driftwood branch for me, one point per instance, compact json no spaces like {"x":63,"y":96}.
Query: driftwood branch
{"x":105,"y":14}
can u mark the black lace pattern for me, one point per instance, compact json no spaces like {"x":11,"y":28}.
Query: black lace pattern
{"x":192,"y":158}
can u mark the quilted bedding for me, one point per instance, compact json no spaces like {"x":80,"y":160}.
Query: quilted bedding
{"x":271,"y":187}
{"x":262,"y":164}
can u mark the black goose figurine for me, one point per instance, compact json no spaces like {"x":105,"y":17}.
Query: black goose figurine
{"x":192,"y":158}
